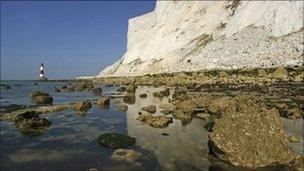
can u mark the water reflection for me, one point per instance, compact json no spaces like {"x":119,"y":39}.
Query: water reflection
{"x":184,"y":148}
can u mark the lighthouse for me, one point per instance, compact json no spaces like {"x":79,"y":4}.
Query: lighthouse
{"x":41,"y":75}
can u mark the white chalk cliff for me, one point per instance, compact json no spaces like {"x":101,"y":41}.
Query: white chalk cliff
{"x":197,"y":35}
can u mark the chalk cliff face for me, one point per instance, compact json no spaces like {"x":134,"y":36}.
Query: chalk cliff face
{"x":196,"y":35}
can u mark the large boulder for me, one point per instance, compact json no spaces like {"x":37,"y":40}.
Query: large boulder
{"x":155,"y":121}
{"x":115,"y":140}
{"x":150,"y":109}
{"x":249,"y":135}
{"x":82,"y":106}
{"x":103,"y":102}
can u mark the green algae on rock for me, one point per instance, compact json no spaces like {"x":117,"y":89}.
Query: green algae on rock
{"x":115,"y":140}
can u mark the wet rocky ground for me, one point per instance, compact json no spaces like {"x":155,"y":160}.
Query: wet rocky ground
{"x":187,"y":127}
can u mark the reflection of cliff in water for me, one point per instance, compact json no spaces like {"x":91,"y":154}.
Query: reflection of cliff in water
{"x":184,"y":148}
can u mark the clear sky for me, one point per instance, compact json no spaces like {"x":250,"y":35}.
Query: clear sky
{"x":71,"y":38}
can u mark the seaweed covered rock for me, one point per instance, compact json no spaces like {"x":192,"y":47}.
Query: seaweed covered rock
{"x":41,"y":98}
{"x":84,"y":86}
{"x":82,"y":106}
{"x":162,"y":94}
{"x":29,"y":123}
{"x":103,"y":102}
{"x":246,"y":135}
{"x":115,"y":140}
{"x":155,"y":121}
{"x":150,"y":109}
{"x":129,"y":98}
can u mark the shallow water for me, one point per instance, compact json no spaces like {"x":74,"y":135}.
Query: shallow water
{"x":70,"y":142}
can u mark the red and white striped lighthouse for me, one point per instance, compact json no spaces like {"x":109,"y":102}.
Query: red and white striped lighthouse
{"x":41,"y":75}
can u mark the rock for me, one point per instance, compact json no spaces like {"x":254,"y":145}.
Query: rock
{"x":150,"y":109}
{"x":165,"y":134}
{"x":29,"y":123}
{"x":103,"y":102}
{"x":155,"y":121}
{"x":127,"y":155}
{"x":4,"y":86}
{"x":143,"y":95}
{"x":167,"y":106}
{"x":209,"y":125}
{"x":70,"y":89}
{"x":202,"y":115}
{"x":166,"y":112}
{"x":83,"y":86}
{"x":38,"y":93}
{"x":45,"y":100}
{"x":239,"y":141}
{"x":129,"y":99}
{"x":293,"y":139}
{"x":299,"y":163}
{"x":292,"y":113}
{"x":82,"y":106}
{"x":281,"y":73}
{"x":121,"y":89}
{"x":57,"y":90}
{"x":97,"y":91}
{"x":162,"y":94}
{"x":185,"y":118}
{"x":262,"y":73}
{"x":41,"y":98}
{"x":123,"y":107}
{"x":131,"y":88}
{"x":115,"y":140}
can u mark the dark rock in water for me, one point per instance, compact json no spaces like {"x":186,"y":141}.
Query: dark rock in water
{"x":36,"y":83}
{"x":45,"y":100}
{"x":70,"y":89}
{"x":97,"y":91}
{"x":150,"y":109}
{"x":57,"y":90}
{"x":165,"y":134}
{"x":121,"y":89}
{"x":131,"y":88}
{"x":292,"y":113}
{"x":237,"y":140}
{"x":129,"y":99}
{"x":12,"y":107}
{"x":185,"y":118}
{"x":103,"y":102}
{"x":64,"y":87}
{"x":162,"y":94}
{"x":143,"y":95}
{"x":155,"y":121}
{"x":38,"y":93}
{"x":82,"y":106}
{"x":209,"y":125}
{"x":41,"y":98}
{"x":123,"y":107}
{"x":115,"y":140}
{"x":29,"y":123}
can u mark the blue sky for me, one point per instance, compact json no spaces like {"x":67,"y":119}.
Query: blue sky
{"x":72,"y":38}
